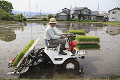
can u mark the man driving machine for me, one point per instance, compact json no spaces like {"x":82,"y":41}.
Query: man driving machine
{"x":53,"y":37}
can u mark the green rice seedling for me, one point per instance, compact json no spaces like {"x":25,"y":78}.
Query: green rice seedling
{"x":79,"y":32}
{"x":87,"y":39}
{"x":87,"y":46}
{"x":22,"y":53}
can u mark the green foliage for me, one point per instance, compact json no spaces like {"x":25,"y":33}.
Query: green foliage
{"x":5,"y":15}
{"x":87,"y":39}
{"x":22,"y":53}
{"x":19,"y":20}
{"x":50,"y":16}
{"x":87,"y":46}
{"x":5,"y":10}
{"x":44,"y":19}
{"x":6,"y":6}
{"x":20,"y":17}
{"x":24,"y":19}
{"x":73,"y":20}
{"x":80,"y":32}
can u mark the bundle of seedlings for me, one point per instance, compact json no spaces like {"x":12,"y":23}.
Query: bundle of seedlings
{"x":22,"y":53}
{"x":79,"y":32}
{"x":87,"y":46}
{"x":87,"y":39}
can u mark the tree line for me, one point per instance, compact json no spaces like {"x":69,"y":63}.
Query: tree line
{"x":7,"y":15}
{"x":6,"y":12}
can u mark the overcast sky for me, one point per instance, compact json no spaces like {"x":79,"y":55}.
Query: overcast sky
{"x":54,"y":6}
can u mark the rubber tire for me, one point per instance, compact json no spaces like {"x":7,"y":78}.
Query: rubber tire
{"x":73,"y":61}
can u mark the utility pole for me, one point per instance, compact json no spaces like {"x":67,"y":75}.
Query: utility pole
{"x":71,"y":11}
{"x":40,"y":13}
{"x":37,"y":13}
{"x":30,"y":8}
{"x":98,"y":6}
{"x":24,"y":13}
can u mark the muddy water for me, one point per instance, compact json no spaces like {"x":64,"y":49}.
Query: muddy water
{"x":103,"y":62}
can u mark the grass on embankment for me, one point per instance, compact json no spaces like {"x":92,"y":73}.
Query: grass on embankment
{"x":107,"y":23}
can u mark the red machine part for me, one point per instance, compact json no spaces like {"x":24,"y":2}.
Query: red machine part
{"x":72,"y":44}
{"x":13,"y":60}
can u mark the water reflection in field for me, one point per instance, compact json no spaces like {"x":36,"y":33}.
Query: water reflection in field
{"x":14,"y":37}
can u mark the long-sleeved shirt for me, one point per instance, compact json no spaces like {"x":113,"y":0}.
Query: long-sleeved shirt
{"x":51,"y":33}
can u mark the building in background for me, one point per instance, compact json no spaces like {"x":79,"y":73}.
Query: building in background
{"x":100,"y":17}
{"x":114,"y":15}
{"x":80,"y":13}
{"x":64,"y":15}
{"x":83,"y":13}
{"x":93,"y":15}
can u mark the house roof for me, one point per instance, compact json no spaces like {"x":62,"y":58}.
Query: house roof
{"x":62,"y":14}
{"x":114,"y":9}
{"x":79,"y":8}
{"x":65,"y":9}
{"x":92,"y":13}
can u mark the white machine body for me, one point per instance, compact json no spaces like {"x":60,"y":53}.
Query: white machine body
{"x":57,"y":58}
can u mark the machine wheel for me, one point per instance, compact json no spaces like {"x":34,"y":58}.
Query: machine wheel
{"x":71,"y":64}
